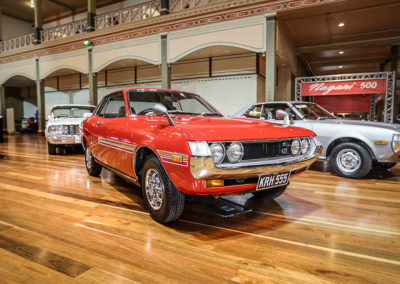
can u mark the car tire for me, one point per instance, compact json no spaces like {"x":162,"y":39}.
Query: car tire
{"x":92,"y":167}
{"x":351,"y":160}
{"x":52,"y":149}
{"x":270,"y":193}
{"x":386,"y":166}
{"x":164,"y":201}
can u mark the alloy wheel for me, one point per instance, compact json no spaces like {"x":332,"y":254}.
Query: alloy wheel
{"x":154,"y":188}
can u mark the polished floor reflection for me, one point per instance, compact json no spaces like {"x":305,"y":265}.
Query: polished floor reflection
{"x":58,"y":225}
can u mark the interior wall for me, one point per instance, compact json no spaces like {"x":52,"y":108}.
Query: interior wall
{"x":12,"y":27}
{"x":233,"y":84}
{"x":284,"y":84}
{"x":29,"y":99}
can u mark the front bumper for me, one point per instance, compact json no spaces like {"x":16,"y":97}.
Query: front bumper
{"x":204,"y":168}
{"x":64,"y":139}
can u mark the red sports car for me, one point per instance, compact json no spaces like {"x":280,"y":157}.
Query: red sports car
{"x":174,"y":143}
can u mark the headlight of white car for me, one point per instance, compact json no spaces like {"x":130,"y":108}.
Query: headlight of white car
{"x":396,"y":143}
{"x":55,"y":129}
{"x":52,"y":129}
{"x":199,"y":148}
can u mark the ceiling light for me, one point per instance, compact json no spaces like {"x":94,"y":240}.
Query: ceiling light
{"x":341,"y":25}
{"x":32,"y":4}
{"x":341,"y":52}
{"x":340,"y":66}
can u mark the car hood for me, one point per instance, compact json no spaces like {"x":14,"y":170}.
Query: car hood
{"x":230,"y":129}
{"x":389,"y":126}
{"x":65,"y":121}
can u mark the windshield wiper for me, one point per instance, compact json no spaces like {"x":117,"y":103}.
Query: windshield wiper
{"x":211,"y":114}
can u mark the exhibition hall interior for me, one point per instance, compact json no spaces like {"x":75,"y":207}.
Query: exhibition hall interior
{"x":199,"y":141}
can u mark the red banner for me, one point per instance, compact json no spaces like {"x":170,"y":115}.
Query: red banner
{"x":357,"y":87}
{"x":338,"y":104}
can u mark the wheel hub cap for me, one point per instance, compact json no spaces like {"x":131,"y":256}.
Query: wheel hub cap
{"x":88,"y":158}
{"x":154,"y":188}
{"x":348,"y":160}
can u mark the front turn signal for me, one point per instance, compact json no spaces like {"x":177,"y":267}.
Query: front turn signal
{"x":215,"y":183}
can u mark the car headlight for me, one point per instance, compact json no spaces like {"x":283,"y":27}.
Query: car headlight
{"x":199,"y":148}
{"x":52,"y":129}
{"x":235,"y":152}
{"x":217,"y":152}
{"x":304,"y":146}
{"x":396,"y":143}
{"x":295,"y":147}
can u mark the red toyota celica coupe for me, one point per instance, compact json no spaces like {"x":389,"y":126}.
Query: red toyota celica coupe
{"x":174,"y":143}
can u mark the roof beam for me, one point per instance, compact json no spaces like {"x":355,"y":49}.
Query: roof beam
{"x":349,"y":44}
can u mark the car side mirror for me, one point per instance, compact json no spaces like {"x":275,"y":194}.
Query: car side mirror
{"x":282,"y":115}
{"x":87,"y":114}
{"x":159,"y":110}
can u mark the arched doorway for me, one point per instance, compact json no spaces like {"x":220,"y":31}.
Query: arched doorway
{"x":20,"y":104}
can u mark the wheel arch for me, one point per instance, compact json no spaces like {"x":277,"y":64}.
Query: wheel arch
{"x":140,"y":158}
{"x":341,"y":140}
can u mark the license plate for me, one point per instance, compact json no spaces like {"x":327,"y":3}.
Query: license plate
{"x":273,"y":180}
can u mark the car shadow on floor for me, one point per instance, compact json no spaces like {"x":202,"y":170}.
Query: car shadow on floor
{"x":376,"y":172}
{"x":204,"y":224}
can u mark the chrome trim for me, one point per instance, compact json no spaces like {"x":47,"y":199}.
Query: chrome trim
{"x":204,"y":168}
{"x":118,"y":173}
{"x":261,"y":141}
{"x":60,"y":139}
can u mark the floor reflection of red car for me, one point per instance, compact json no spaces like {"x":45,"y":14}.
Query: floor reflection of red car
{"x":173,"y":143}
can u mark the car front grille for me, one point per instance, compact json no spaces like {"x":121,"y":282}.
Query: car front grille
{"x":70,"y":130}
{"x":262,"y":150}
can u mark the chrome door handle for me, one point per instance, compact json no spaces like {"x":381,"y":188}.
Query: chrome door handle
{"x":99,"y":122}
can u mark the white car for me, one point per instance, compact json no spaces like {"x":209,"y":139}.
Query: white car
{"x":62,"y":128}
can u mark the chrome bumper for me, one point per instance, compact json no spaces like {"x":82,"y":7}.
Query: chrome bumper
{"x":204,"y":168}
{"x":64,"y":139}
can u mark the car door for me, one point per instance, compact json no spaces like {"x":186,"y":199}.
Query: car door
{"x":110,"y":122}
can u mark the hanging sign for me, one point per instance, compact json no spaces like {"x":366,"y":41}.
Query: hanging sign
{"x":356,"y":87}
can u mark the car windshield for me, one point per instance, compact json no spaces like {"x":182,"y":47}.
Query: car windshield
{"x":142,"y":102}
{"x":71,"y":111}
{"x":313,"y":111}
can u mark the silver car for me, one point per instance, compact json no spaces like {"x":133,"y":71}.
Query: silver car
{"x":353,"y":147}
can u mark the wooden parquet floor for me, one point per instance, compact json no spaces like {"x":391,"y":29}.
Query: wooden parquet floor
{"x":58,"y":225}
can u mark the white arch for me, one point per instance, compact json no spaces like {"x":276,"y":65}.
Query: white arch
{"x":211,"y":44}
{"x":122,"y":58}
{"x":3,"y":81}
{"x":44,"y":76}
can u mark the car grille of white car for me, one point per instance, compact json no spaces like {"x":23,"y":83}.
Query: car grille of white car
{"x":71,"y":129}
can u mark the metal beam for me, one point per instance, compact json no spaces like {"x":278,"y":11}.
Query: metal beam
{"x":349,"y":44}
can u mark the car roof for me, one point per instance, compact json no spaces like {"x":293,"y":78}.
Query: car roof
{"x":151,"y":90}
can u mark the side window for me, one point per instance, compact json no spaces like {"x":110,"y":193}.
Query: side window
{"x":114,"y":107}
{"x":103,"y":104}
{"x":254,"y":112}
{"x":269,"y":111}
